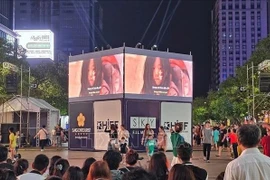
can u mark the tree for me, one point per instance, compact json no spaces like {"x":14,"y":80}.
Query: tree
{"x":229,"y":102}
{"x":8,"y":53}
{"x":52,"y":84}
{"x":200,"y":110}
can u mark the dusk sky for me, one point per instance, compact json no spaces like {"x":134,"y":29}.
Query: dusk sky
{"x":189,"y":30}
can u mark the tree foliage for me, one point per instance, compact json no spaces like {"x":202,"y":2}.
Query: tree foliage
{"x":229,"y":102}
{"x":51,"y":78}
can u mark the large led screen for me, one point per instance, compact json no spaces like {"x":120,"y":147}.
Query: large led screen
{"x":95,"y":77}
{"x":147,"y":76}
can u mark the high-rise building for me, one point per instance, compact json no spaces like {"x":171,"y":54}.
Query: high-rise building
{"x":237,"y":26}
{"x":268,"y":17}
{"x":6,"y":21}
{"x":75,"y":23}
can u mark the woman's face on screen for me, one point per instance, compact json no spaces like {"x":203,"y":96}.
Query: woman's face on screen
{"x":185,"y":83}
{"x":91,"y":72}
{"x":116,"y":79}
{"x":157,"y":72}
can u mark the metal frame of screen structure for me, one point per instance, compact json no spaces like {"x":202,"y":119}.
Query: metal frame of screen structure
{"x":135,"y":51}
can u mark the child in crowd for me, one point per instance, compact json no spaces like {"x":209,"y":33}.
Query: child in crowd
{"x":234,"y":144}
{"x":151,"y":143}
{"x":123,"y":148}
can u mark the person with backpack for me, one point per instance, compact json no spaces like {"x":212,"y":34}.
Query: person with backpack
{"x":176,"y":140}
{"x":42,"y":135}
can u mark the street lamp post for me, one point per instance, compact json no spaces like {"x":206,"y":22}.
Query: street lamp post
{"x":253,"y":88}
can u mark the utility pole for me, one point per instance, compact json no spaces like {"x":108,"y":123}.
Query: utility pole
{"x":253,"y":93}
{"x":28,"y":95}
{"x":21,"y":101}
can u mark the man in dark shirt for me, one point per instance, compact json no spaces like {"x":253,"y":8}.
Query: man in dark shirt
{"x":222,"y":142}
{"x":184,"y":153}
{"x":3,"y":158}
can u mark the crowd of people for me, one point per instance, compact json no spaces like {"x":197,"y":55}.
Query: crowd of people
{"x":249,"y":163}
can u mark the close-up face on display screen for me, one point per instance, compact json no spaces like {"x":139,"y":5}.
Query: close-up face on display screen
{"x":96,"y":76}
{"x":157,"y":76}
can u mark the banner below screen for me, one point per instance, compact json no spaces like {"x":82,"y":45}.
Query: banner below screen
{"x":81,"y":131}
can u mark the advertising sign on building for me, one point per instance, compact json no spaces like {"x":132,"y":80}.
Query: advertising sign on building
{"x":38,"y":43}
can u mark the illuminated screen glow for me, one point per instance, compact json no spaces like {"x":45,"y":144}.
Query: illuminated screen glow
{"x":38,"y":43}
{"x":148,"y":75}
{"x":96,"y":76}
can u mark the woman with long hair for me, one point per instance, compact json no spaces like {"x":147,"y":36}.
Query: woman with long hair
{"x":180,"y":77}
{"x":52,"y":162}
{"x":162,"y":139}
{"x":21,"y":166}
{"x":12,"y":143}
{"x":60,"y":167}
{"x":148,"y":134}
{"x":158,"y":166}
{"x":91,"y":78}
{"x":99,"y":170}
{"x":180,"y":171}
{"x":86,"y":166}
{"x":113,"y":135}
{"x":112,"y":79}
{"x":156,"y":76}
{"x":73,"y":173}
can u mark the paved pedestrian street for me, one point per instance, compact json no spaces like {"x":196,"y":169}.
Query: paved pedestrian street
{"x":77,"y":158}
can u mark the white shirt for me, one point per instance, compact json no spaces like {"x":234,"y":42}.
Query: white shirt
{"x":30,"y":176}
{"x":42,"y":134}
{"x":250,"y":165}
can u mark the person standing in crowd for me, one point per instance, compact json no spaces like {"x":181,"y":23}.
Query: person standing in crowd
{"x":265,"y":142}
{"x":113,"y":159}
{"x":151,"y":144}
{"x":180,"y":171}
{"x":39,"y":166}
{"x":21,"y":166}
{"x":54,"y":142}
{"x":42,"y":135}
{"x":113,"y":135}
{"x":223,"y":140}
{"x":234,"y":144}
{"x":3,"y":158}
{"x":148,"y":133}
{"x":184,"y":153}
{"x":158,"y":166}
{"x":123,"y":133}
{"x":12,"y":143}
{"x":162,"y":139}
{"x":251,"y":164}
{"x":59,"y":134}
{"x":132,"y":158}
{"x":207,"y":134}
{"x":216,"y":137}
{"x":86,"y":166}
{"x":99,"y":170}
{"x":176,"y":140}
{"x":73,"y":173}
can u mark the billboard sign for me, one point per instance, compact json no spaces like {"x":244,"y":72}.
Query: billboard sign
{"x":38,"y":43}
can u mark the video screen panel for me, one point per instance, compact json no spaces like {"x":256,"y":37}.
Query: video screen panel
{"x":90,"y":78}
{"x":149,"y":77}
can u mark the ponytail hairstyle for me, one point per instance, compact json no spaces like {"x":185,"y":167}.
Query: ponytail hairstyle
{"x":60,"y":167}
{"x":20,"y":167}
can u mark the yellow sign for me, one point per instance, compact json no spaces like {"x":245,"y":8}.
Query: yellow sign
{"x":81,"y":120}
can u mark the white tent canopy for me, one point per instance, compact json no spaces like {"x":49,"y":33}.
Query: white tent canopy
{"x":26,"y":104}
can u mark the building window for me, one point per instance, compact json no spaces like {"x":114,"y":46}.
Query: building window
{"x":230,"y":6}
{"x":244,"y":46}
{"x":224,"y":70}
{"x":223,"y":6}
{"x":252,"y":6}
{"x":230,"y":17}
{"x":224,"y":64}
{"x":23,"y":11}
{"x":236,"y":6}
{"x":243,"y":6}
{"x":258,"y":5}
{"x":223,"y":18}
{"x":224,"y":76}
{"x":244,"y":52}
{"x":23,"y":4}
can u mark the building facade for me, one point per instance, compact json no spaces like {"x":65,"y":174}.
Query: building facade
{"x":237,"y":26}
{"x":6,"y":21}
{"x":75,"y":23}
